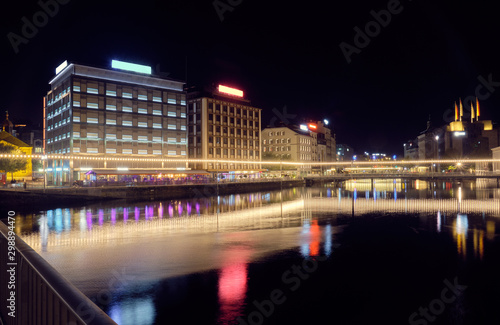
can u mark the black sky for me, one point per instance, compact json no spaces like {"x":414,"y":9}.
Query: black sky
{"x":281,"y":53}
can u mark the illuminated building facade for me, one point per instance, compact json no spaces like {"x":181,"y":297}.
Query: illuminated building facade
{"x":222,"y":124}
{"x":411,"y":150}
{"x":472,"y":138}
{"x":7,"y":139}
{"x":122,"y":113}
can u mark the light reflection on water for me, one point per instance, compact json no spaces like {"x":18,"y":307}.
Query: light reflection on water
{"x":229,"y":232}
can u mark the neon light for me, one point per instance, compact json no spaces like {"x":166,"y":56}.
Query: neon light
{"x":304,"y":127}
{"x":130,"y":67}
{"x":312,"y":126}
{"x":230,"y":91}
{"x":61,"y":66}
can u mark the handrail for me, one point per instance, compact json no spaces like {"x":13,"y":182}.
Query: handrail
{"x":43,"y":295}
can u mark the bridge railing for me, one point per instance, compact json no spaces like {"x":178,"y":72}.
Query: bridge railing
{"x":35,"y":293}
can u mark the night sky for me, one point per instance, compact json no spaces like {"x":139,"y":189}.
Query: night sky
{"x":281,"y":53}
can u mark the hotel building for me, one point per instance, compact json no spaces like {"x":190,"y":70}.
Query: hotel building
{"x":113,"y":123}
{"x":223,"y":125}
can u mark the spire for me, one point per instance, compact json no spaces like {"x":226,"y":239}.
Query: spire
{"x":477,"y":107}
{"x":456,"y":112}
{"x":461,"y":109}
{"x":472,"y":113}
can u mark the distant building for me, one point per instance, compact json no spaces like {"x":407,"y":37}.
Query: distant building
{"x":474,"y":138}
{"x":222,"y":124}
{"x":344,"y":152}
{"x":99,"y":120}
{"x":411,"y":150}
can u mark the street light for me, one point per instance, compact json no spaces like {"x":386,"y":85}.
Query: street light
{"x":437,"y":150}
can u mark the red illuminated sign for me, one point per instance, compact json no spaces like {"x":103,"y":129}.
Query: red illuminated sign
{"x":312,"y":126}
{"x":230,"y":91}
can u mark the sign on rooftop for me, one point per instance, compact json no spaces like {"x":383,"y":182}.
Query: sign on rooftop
{"x":134,"y":67}
{"x":230,"y":91}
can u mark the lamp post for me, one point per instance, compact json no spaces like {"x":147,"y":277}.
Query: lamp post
{"x":437,"y":151}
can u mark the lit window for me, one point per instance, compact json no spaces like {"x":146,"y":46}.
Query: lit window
{"x":183,"y":102}
{"x":172,"y":114}
{"x":76,"y":88}
{"x":127,"y":151}
{"x":183,"y":140}
{"x":142,"y":138}
{"x":111,"y":93}
{"x":92,"y":105}
{"x":111,"y":107}
{"x":76,"y":149}
{"x":183,"y":128}
{"x":171,"y":101}
{"x":156,"y":139}
{"x":142,"y":124}
{"x":156,"y":112}
{"x":156,"y":152}
{"x":110,"y":121}
{"x":92,"y":90}
{"x":126,"y":137}
{"x":76,"y":134}
{"x":126,"y":109}
{"x":126,"y":95}
{"x":172,"y":127}
{"x":156,"y":99}
{"x":127,"y":123}
{"x":157,"y":126}
{"x":111,"y":136}
{"x":172,"y":153}
{"x":183,"y":115}
{"x":92,"y":135}
{"x":93,"y":120}
{"x":142,"y":97}
{"x":142,"y":110}
{"x":76,"y":104}
{"x":183,"y":152}
{"x":110,"y":150}
{"x":171,"y":140}
{"x":142,"y":151}
{"x":92,"y":150}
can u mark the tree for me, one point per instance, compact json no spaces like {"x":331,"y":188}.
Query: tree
{"x":12,"y":164}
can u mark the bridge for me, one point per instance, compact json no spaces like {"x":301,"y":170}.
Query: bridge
{"x":454,"y":176}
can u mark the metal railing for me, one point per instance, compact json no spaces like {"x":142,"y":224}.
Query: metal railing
{"x":41,"y":295}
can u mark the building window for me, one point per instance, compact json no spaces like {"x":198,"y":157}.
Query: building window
{"x":92,"y":90}
{"x":76,"y":88}
{"x":127,"y":123}
{"x":156,"y":112}
{"x":76,"y":103}
{"x":172,"y":152}
{"x":142,"y":124}
{"x":156,"y":99}
{"x":156,"y":139}
{"x":157,"y":126}
{"x":110,"y":150}
{"x":127,"y":151}
{"x":93,"y":120}
{"x":156,"y":152}
{"x":76,"y":118}
{"x":126,"y":95}
{"x":92,"y":135}
{"x":142,"y":110}
{"x":142,"y":97}
{"x":92,"y":105}
{"x":127,"y":109}
{"x":75,"y":150}
{"x":111,"y":107}
{"x":92,"y":150}
{"x":172,"y":114}
{"x":142,"y":138}
{"x":126,"y":137}
{"x":171,"y":140}
{"x":172,"y":101}
{"x":110,"y":122}
{"x":111,"y":136}
{"x":171,"y":127}
{"x":142,"y":151}
{"x":111,"y":93}
{"x":76,"y":134}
